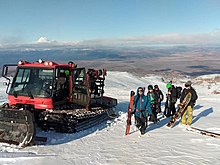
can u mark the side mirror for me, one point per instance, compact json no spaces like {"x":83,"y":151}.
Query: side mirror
{"x":5,"y":71}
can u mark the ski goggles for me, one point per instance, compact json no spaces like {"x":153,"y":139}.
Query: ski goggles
{"x":140,"y":90}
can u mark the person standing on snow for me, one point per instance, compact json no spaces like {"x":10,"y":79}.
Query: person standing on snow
{"x":141,"y":110}
{"x":170,"y":109}
{"x":189,"y":109}
{"x":160,"y":97}
{"x":152,"y":97}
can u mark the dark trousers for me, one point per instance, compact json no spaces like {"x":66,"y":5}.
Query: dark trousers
{"x":153,"y":117}
{"x":154,"y":112}
{"x":141,"y":123}
{"x":159,"y":107}
{"x":171,"y":109}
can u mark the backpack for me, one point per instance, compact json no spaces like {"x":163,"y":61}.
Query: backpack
{"x":178,"y":92}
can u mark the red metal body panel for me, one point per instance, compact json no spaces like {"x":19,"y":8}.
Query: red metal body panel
{"x":39,"y":103}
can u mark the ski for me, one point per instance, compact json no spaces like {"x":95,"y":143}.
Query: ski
{"x":203,"y":132}
{"x":180,"y":111}
{"x":130,"y":112}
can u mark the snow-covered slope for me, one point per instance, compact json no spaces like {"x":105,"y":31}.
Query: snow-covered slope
{"x":107,"y":144}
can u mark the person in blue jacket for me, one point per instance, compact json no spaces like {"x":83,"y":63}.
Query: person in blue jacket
{"x":141,"y":110}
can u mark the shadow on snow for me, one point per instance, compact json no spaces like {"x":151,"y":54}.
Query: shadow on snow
{"x":55,"y":138}
{"x":197,"y":117}
{"x":202,"y":114}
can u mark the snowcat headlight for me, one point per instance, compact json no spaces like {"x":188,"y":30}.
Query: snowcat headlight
{"x":21,"y":62}
{"x":40,"y":61}
{"x":46,"y":63}
{"x":50,"y":63}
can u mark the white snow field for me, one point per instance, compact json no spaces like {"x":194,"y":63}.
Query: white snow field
{"x":107,"y":143}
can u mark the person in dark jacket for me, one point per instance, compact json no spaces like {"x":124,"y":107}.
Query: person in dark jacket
{"x":160,"y":98}
{"x":141,"y":109}
{"x":189,"y":109}
{"x":152,"y":97}
{"x":171,"y":100}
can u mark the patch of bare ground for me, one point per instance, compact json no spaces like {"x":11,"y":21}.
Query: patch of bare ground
{"x":187,"y":63}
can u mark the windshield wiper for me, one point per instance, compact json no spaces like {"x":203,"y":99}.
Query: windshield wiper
{"x":15,"y":94}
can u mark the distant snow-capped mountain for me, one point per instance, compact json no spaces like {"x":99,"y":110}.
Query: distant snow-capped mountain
{"x":45,"y":40}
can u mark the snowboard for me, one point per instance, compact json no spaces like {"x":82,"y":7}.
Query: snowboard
{"x":130,"y":112}
{"x":203,"y":132}
{"x":181,"y":109}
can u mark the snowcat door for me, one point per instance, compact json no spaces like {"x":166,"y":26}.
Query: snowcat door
{"x":80,"y":89}
{"x":7,"y":72}
{"x":61,"y":86}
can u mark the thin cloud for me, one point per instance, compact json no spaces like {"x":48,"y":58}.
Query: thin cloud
{"x":171,"y":38}
{"x":177,"y":38}
{"x":12,"y":40}
{"x":164,"y":39}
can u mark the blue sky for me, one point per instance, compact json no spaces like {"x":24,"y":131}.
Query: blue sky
{"x":24,"y":21}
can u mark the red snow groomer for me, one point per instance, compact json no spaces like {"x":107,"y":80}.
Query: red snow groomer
{"x":53,"y":96}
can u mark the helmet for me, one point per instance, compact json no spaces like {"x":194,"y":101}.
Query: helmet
{"x":168,"y":86}
{"x":188,"y":83}
{"x":150,"y":87}
{"x":156,"y":86}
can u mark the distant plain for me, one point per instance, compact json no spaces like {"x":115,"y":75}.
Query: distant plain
{"x":186,"y":60}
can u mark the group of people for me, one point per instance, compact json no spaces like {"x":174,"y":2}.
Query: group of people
{"x":149,"y":105}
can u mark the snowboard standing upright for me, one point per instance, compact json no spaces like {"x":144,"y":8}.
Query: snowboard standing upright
{"x":181,"y":110}
{"x":130,"y":112}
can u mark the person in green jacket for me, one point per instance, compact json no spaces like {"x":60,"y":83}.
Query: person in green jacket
{"x":152,"y":97}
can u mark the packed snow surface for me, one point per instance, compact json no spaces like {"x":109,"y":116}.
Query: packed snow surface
{"x":107,"y":143}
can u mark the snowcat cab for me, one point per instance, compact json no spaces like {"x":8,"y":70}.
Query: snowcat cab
{"x":53,"y":96}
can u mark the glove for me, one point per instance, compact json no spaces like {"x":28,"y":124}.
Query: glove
{"x":180,"y":105}
{"x":133,"y":112}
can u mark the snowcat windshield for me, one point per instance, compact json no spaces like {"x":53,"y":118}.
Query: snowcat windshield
{"x":32,"y":82}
